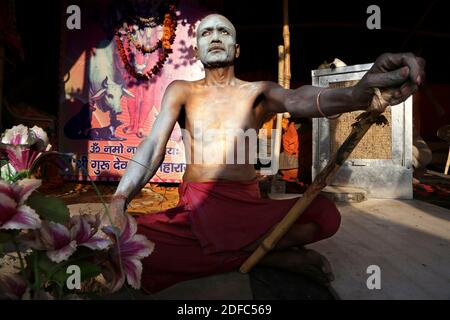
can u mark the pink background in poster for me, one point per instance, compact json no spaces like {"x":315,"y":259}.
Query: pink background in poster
{"x":86,"y":62}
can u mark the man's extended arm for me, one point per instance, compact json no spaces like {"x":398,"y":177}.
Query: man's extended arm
{"x":396,"y":75}
{"x":150,"y":152}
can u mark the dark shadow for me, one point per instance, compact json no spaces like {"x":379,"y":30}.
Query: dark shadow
{"x":274,"y":284}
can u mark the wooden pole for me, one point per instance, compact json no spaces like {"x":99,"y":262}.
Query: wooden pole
{"x":284,"y":80}
{"x":281,"y":65}
{"x":287,"y":46}
{"x":287,"y":50}
{"x":359,"y":129}
{"x":279,"y":117}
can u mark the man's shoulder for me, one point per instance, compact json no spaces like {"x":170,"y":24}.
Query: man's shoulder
{"x":175,"y":84}
{"x":178,"y":88}
{"x":264,"y":85}
{"x":183,"y":85}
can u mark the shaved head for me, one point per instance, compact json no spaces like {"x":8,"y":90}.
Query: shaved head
{"x":216,"y":41}
{"x":215,"y":17}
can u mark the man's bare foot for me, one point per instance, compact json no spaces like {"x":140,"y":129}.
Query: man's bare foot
{"x":303,"y":261}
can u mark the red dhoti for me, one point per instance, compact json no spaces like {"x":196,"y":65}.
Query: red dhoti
{"x":206,"y":232}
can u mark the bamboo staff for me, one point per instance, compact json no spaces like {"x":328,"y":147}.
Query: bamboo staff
{"x":359,"y":129}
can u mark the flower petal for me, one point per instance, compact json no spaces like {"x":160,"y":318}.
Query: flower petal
{"x":63,"y":253}
{"x":80,"y":229}
{"x":16,"y":135}
{"x":96,"y":243}
{"x":133,"y":272}
{"x":20,"y":156}
{"x":44,"y":236}
{"x":60,"y":234}
{"x":25,"y":218}
{"x":114,"y":277}
{"x":33,"y":240}
{"x":7,"y":189}
{"x":8,"y":209}
{"x":40,"y":134}
{"x":129,"y":230}
{"x":7,"y":202}
{"x":27,"y":186}
{"x":138,"y":247}
{"x":13,"y":286}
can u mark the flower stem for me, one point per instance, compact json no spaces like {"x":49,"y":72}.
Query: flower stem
{"x":22,"y":265}
{"x":37,"y":278}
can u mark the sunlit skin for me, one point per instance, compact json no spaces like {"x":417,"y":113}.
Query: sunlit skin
{"x":221,"y":101}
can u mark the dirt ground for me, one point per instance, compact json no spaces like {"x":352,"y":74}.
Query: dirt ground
{"x":152,"y":198}
{"x":433,"y":188}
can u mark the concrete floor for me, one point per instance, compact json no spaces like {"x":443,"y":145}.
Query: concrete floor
{"x":408,"y":240}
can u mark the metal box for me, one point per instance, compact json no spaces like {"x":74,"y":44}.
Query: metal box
{"x":382,"y":162}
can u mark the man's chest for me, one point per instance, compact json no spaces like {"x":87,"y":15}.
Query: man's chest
{"x":222,"y":108}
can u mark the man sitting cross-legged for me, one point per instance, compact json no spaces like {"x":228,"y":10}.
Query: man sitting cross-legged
{"x":221,"y":216}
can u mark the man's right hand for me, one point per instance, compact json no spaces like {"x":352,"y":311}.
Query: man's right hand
{"x":117,"y":215}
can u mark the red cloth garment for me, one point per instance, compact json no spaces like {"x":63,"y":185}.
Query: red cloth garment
{"x":206,"y":232}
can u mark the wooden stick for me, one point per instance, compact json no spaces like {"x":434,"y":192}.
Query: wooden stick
{"x":359,"y":129}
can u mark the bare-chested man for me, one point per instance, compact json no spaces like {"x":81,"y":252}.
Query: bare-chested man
{"x":221,"y":216}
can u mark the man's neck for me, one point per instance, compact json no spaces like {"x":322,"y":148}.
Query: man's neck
{"x":222,"y":76}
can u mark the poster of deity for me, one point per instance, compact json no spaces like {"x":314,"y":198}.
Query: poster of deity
{"x":114,"y":71}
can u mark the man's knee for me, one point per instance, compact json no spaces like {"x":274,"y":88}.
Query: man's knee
{"x":328,"y":217}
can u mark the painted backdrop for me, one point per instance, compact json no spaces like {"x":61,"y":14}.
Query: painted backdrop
{"x":104,"y":111}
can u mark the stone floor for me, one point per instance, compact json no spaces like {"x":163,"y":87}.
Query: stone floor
{"x":408,"y":240}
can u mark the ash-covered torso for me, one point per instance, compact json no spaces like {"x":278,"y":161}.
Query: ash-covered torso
{"x":215,"y":116}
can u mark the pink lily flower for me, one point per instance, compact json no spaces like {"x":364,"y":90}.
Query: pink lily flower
{"x":61,"y":242}
{"x":55,"y":239}
{"x":85,"y":231}
{"x":129,"y":249}
{"x":23,"y":145}
{"x":13,"y":287}
{"x":14,"y":214}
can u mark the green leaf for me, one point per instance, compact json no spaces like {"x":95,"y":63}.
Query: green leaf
{"x":20,"y":175}
{"x":45,"y":264}
{"x":49,"y":208}
{"x":57,"y":272}
{"x":88,"y":271}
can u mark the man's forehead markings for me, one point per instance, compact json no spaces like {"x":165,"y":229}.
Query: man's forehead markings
{"x":218,"y":20}
{"x":218,"y":26}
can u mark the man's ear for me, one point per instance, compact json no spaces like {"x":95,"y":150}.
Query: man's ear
{"x":238,"y":51}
